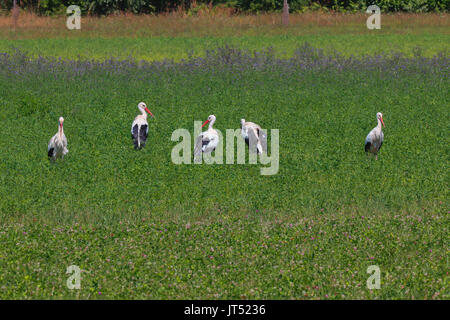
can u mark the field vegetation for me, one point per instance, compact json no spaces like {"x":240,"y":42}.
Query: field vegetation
{"x":195,"y":7}
{"x":140,"y":226}
{"x":176,"y":35}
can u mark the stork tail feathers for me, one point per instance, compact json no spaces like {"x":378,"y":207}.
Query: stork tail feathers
{"x":139,"y":136}
{"x":367,"y":147}
{"x":135,"y":136}
{"x":50,"y":152}
{"x":142,"y":135}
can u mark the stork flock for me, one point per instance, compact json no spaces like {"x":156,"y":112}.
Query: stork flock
{"x":208,"y":140}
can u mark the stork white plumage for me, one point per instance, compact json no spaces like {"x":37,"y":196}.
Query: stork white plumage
{"x":139,"y":127}
{"x":208,"y":140}
{"x":254,"y":137}
{"x":57,"y":146}
{"x":375,"y":138}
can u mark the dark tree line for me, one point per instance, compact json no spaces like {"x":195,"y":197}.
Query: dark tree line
{"x":104,"y":7}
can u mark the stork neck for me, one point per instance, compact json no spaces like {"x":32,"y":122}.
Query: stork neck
{"x":211,"y":124}
{"x":379,"y":124}
{"x":144,"y":114}
{"x":60,"y":131}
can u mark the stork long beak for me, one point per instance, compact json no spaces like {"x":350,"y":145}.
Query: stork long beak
{"x":205,"y":123}
{"x":382,"y":122}
{"x":146,"y":109}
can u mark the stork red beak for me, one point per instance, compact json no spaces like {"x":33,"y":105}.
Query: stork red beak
{"x":205,"y":123}
{"x":382,"y":122}
{"x":146,"y":109}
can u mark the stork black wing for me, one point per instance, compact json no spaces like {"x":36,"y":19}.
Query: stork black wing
{"x":143,"y":135}
{"x":205,"y":142}
{"x":367,"y":146}
{"x":135,"y":135}
{"x":50,"y":152}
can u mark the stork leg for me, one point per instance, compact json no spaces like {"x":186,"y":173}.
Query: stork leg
{"x":259,"y":149}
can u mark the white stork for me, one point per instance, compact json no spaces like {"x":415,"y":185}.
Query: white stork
{"x":254,"y":136}
{"x":57,"y":146}
{"x":208,"y":140}
{"x":374,"y":139}
{"x":139,"y":128}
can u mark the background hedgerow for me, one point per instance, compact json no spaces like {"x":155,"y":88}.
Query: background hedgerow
{"x":104,"y":7}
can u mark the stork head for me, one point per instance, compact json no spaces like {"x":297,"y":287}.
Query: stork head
{"x":61,"y":121}
{"x":143,"y":108}
{"x":380,"y":118}
{"x":242,"y":122}
{"x":211,"y":119}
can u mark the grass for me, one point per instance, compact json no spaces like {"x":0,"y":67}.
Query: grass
{"x":30,"y":26}
{"x":142,"y":227}
{"x":321,"y":256}
{"x":178,"y":48}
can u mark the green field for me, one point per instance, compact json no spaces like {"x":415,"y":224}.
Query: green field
{"x":142,"y":227}
{"x":159,"y":48}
